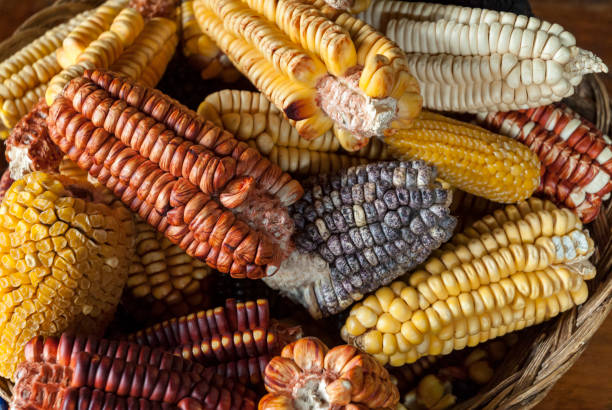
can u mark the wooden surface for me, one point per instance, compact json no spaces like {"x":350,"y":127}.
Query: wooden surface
{"x":588,"y":384}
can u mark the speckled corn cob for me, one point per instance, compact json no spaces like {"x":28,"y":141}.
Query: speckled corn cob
{"x":470,"y":158}
{"x":201,"y":51}
{"x":163,"y":280}
{"x":209,"y":193}
{"x":253,"y":119}
{"x":360,"y":229}
{"x":24,"y":75}
{"x":477,"y":60}
{"x":512,"y":269}
{"x":237,"y":340}
{"x":309,"y":375}
{"x":338,"y":71}
{"x":64,"y":256}
{"x":576,"y":157}
{"x":29,"y":147}
{"x":66,"y":385}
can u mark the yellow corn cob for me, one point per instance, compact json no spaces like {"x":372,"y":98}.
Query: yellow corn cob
{"x":470,"y":158}
{"x":201,"y":50}
{"x":163,"y":280}
{"x":24,"y":75}
{"x":319,"y":66}
{"x":147,"y":57}
{"x":83,"y":34}
{"x":101,"y":52}
{"x":64,"y":257}
{"x":250,"y":117}
{"x":512,"y":269}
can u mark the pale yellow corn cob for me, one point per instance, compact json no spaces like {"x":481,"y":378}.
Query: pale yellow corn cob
{"x":470,"y":158}
{"x":515,"y":268}
{"x":64,"y":256}
{"x":82,"y":35}
{"x":101,"y":52}
{"x":146,"y":59}
{"x":475,"y":60}
{"x":320,"y":66}
{"x":24,"y":75}
{"x":201,"y":50}
{"x":162,"y":278}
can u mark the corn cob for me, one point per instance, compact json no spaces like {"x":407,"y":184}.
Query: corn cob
{"x":200,"y":193}
{"x":350,"y":6}
{"x":29,"y":147}
{"x":309,"y":375}
{"x":470,"y":158}
{"x":156,"y":8}
{"x":253,"y":119}
{"x":478,"y":60}
{"x":329,"y":73}
{"x":360,"y":229}
{"x":430,"y":393}
{"x":64,"y":257}
{"x":86,"y":377}
{"x":237,"y":340}
{"x":515,"y":268}
{"x":162,"y":279}
{"x":576,"y":158}
{"x":201,"y":51}
{"x":24,"y":75}
{"x":5,"y":183}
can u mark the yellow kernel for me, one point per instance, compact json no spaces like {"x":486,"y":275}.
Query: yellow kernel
{"x":411,"y":333}
{"x":372,"y":342}
{"x":44,"y":245}
{"x":385,"y":296}
{"x":387,"y":324}
{"x":389,"y":344}
{"x":430,"y":390}
{"x":372,"y":303}
{"x":411,"y":297}
{"x":365,"y":316}
{"x":420,"y":321}
{"x":353,"y":326}
{"x":39,"y":232}
{"x":58,"y":228}
{"x":398,"y":359}
{"x":480,"y":371}
{"x":397,"y":287}
{"x":400,"y":310}
{"x":31,"y":216}
{"x":48,"y":216}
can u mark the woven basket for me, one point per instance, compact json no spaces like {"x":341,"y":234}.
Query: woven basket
{"x":544,"y":352}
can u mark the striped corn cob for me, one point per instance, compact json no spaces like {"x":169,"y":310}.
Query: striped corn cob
{"x":66,"y":350}
{"x":163,"y":280}
{"x":253,"y":119}
{"x":80,"y":379}
{"x":29,"y":147}
{"x":512,"y":269}
{"x":576,"y":157}
{"x":201,"y":51}
{"x":24,"y":75}
{"x":360,"y":229}
{"x":477,"y":60}
{"x":64,"y":258}
{"x":122,"y":41}
{"x":237,"y":340}
{"x":308,"y":374}
{"x":338,"y":71}
{"x":470,"y":158}
{"x":209,"y":193}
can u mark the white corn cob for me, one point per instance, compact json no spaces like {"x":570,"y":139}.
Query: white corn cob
{"x":476,"y":60}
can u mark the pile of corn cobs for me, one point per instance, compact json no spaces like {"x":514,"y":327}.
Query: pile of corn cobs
{"x":332,"y":186}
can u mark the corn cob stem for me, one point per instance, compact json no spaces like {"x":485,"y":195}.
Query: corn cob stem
{"x":472,"y":159}
{"x":512,"y":269}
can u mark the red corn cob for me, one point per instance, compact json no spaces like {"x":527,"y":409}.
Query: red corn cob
{"x":576,"y":159}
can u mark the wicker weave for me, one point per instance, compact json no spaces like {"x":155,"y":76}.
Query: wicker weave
{"x":545,"y":352}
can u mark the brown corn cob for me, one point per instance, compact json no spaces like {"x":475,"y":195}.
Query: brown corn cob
{"x":64,"y":255}
{"x":122,"y":378}
{"x":512,"y":269}
{"x":309,"y":375}
{"x":29,"y":147}
{"x":320,"y":76}
{"x":24,"y":75}
{"x":577,"y":160}
{"x":198,"y":184}
{"x":253,"y":119}
{"x":201,"y":51}
{"x":470,"y":158}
